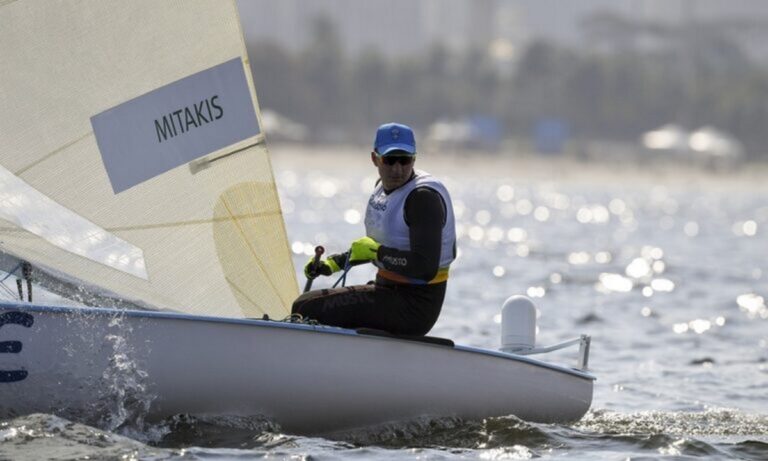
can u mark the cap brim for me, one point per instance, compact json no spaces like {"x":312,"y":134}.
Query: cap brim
{"x":407,"y":148}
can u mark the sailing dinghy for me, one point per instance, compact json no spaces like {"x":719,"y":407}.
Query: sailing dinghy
{"x":135,"y":180}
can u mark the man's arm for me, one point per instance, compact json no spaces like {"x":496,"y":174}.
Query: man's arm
{"x":425,"y":215}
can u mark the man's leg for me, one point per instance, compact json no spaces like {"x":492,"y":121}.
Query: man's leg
{"x":359,"y":306}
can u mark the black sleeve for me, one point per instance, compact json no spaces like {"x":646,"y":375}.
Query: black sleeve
{"x":425,"y":215}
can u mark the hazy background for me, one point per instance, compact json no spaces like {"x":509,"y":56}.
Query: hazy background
{"x":592,"y":79}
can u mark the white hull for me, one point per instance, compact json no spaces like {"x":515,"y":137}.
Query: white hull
{"x":73,"y":361}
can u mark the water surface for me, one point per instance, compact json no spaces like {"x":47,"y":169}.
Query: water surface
{"x":668,"y":274}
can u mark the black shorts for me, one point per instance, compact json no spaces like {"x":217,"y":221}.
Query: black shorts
{"x":397,"y":308}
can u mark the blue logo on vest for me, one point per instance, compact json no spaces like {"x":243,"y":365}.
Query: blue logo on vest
{"x":377,"y":203}
{"x":13,"y":347}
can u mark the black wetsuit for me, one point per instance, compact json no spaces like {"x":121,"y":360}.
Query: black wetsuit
{"x":398,"y":308}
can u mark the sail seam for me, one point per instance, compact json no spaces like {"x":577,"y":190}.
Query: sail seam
{"x":241,"y":292}
{"x":51,"y":154}
{"x":193,"y":223}
{"x":253,"y":252}
{"x":167,"y":225}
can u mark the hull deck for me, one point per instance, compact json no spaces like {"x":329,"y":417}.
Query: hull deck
{"x":81,"y":362}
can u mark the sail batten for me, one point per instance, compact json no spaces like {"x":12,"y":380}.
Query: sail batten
{"x":206,"y":221}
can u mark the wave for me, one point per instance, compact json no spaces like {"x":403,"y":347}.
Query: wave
{"x":712,"y":422}
{"x":720,"y":433}
{"x":42,"y":436}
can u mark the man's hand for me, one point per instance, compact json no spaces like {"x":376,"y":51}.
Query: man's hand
{"x":323,"y":267}
{"x":363,"y":250}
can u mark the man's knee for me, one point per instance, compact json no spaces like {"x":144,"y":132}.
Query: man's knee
{"x":304,"y":299}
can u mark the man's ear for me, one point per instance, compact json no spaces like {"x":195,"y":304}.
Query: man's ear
{"x":373,"y":159}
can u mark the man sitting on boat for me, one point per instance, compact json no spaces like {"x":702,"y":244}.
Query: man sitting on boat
{"x":410,"y":237}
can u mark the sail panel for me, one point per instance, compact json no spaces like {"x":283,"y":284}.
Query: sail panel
{"x":210,"y":231}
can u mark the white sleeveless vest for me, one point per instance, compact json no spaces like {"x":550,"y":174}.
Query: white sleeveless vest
{"x":385,"y":223}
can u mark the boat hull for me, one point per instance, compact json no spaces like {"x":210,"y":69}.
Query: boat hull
{"x":84,"y":362}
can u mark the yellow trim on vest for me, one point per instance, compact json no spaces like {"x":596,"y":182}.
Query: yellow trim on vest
{"x":442,"y":276}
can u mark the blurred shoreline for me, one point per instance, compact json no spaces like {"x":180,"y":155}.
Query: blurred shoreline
{"x":525,"y":166}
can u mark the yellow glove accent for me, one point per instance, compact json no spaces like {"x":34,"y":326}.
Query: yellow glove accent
{"x":363,"y":249}
{"x":323,"y":267}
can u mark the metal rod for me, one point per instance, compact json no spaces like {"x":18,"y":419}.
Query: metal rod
{"x":319,"y":250}
{"x":583,"y":341}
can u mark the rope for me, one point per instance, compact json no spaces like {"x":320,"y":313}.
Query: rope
{"x":347,"y":267}
{"x":8,"y":291}
{"x":11,"y":272}
{"x":298,"y":318}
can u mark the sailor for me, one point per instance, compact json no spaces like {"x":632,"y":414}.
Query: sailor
{"x":410,"y":238}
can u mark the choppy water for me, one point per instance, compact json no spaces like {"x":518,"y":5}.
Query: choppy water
{"x":669,"y":278}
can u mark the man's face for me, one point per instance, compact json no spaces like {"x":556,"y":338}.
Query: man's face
{"x":394,"y":170}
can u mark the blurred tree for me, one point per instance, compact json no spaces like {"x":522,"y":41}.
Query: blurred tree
{"x":369,"y":90}
{"x":615,"y":90}
{"x":539,"y":86}
{"x":276,"y":69}
{"x":323,"y":67}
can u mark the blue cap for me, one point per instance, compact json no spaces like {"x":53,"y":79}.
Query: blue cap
{"x":394,"y":136}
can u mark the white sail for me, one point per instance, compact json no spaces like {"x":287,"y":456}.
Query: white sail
{"x":191,"y":223}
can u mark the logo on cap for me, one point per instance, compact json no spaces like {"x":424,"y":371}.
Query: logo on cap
{"x":393,"y":136}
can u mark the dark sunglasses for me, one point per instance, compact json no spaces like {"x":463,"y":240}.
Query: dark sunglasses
{"x":402,"y":160}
